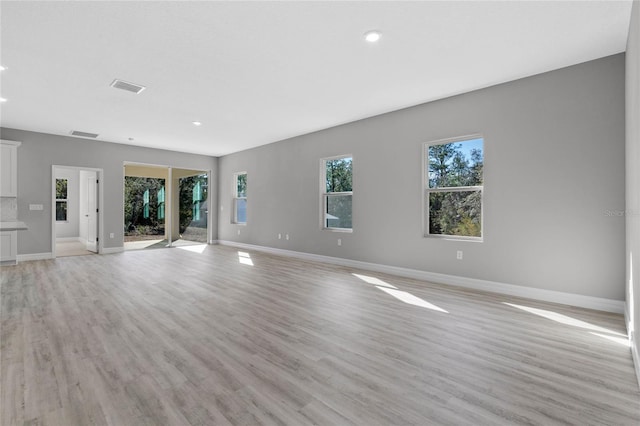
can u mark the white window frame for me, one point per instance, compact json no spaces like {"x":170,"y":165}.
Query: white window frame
{"x":426,"y":190}
{"x":324,"y":194}
{"x":234,"y":219}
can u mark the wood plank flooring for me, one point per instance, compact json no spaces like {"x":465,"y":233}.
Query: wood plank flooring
{"x":228,"y":337}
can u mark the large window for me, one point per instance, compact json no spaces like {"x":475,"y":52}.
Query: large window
{"x":453,"y":188}
{"x":337,"y":192}
{"x":61,"y":200}
{"x":240,"y":197}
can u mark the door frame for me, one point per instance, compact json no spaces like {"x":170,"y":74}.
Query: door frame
{"x":99,"y":201}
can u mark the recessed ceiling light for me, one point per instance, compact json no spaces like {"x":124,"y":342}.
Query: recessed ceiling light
{"x":372,"y":36}
{"x":197,"y":123}
{"x":3,"y":100}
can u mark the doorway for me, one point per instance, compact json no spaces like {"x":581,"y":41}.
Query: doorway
{"x":165,"y":207}
{"x":76,"y":217}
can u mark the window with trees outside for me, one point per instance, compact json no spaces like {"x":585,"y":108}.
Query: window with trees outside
{"x":337,"y":192}
{"x":240,"y":198}
{"x":453,"y":188}
{"x":61,"y":200}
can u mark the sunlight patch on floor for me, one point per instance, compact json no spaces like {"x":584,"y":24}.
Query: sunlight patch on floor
{"x":197,"y":248}
{"x":411,"y":299}
{"x":373,"y":280}
{"x":620,"y":340}
{"x":245,"y":258}
{"x":564,"y":319}
{"x":403,"y":296}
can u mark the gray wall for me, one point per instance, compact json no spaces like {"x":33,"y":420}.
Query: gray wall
{"x":39,"y":151}
{"x":633,"y":179}
{"x":554,"y":184}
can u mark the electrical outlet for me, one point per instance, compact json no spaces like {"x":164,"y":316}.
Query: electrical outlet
{"x":238,"y":232}
{"x":286,"y":236}
{"x":112,"y":235}
{"x":279,"y":236}
{"x":459,"y":255}
{"x":339,"y":241}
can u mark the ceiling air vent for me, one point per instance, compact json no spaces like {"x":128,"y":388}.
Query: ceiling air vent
{"x":129,"y":87}
{"x":83,"y":134}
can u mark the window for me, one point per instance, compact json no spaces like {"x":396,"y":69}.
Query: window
{"x":453,"y":188}
{"x":61,"y":200}
{"x":337,"y":192}
{"x":240,"y":197}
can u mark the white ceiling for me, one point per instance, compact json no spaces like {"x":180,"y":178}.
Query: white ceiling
{"x":258,"y":72}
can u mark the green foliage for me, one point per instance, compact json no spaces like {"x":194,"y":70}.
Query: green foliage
{"x":61,"y":189}
{"x":339,"y":175}
{"x":188,"y":205}
{"x":241,"y":185}
{"x":136,"y":222}
{"x":455,"y":212}
{"x":144,"y":215}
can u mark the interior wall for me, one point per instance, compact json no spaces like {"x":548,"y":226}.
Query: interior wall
{"x":633,"y":182}
{"x":553,"y":194}
{"x":39,"y":151}
{"x":71,"y":227}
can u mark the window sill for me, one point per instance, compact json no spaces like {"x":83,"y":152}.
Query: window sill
{"x":344,"y":230}
{"x":455,"y":238}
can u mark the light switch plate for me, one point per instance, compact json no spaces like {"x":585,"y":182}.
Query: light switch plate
{"x":35,"y":207}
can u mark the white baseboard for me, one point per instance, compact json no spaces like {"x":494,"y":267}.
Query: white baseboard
{"x":589,"y":302}
{"x":111,"y":250}
{"x":34,"y":256}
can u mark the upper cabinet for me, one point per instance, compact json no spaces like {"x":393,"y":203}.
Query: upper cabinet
{"x":9,"y":168}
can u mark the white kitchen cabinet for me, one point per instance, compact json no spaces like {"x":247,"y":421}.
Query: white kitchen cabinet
{"x":8,"y":247}
{"x":9,"y":168}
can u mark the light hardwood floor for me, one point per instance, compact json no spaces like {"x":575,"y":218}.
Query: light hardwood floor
{"x":178,"y":337}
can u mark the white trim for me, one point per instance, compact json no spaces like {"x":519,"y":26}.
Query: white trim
{"x":589,"y":302}
{"x":111,"y":250}
{"x":636,"y":358}
{"x":34,"y":256}
{"x":632,"y":344}
{"x":12,"y":143}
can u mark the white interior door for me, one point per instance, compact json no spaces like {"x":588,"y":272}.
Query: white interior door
{"x":92,"y":212}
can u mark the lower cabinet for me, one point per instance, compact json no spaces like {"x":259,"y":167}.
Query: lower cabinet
{"x":8,"y":247}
